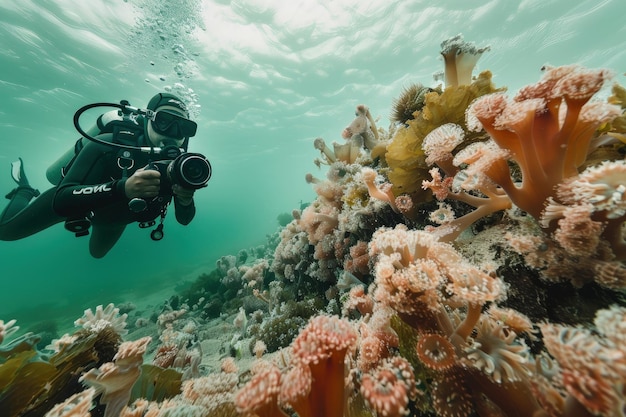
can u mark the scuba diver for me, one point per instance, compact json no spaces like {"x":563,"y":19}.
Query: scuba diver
{"x":127,"y":168}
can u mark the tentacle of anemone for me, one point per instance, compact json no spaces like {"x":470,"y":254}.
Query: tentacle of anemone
{"x":436,"y":352}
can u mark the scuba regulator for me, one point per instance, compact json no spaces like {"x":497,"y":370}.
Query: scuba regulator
{"x":176,"y":165}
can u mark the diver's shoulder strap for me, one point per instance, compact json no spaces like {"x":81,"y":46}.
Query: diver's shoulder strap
{"x":125,"y":131}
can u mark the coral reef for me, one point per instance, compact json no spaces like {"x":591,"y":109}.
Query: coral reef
{"x":468,"y":261}
{"x":404,"y":154}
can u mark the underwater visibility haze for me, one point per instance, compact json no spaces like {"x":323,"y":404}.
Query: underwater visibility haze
{"x":264,"y":80}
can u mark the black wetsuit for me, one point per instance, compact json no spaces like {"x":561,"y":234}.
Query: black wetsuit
{"x":93,"y":186}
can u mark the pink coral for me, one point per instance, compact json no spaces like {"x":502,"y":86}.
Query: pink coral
{"x":497,"y":351}
{"x":439,"y":144}
{"x":102,"y":318}
{"x":314,"y":385}
{"x":436,"y":351}
{"x":486,"y":161}
{"x":406,"y":206}
{"x":260,"y":395}
{"x":78,"y":405}
{"x":601,"y":191}
{"x":318,"y":221}
{"x":593,"y":364}
{"x":115,"y":379}
{"x":358,"y":261}
{"x":577,"y":232}
{"x":441,"y":295}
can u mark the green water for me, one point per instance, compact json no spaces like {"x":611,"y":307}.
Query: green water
{"x":265,"y":79}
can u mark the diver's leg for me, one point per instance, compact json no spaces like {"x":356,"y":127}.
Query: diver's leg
{"x":21,"y":219}
{"x":18,"y":199}
{"x":21,"y":195}
{"x":103,"y":237}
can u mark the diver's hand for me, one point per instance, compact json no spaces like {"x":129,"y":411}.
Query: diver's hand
{"x":183,"y":195}
{"x":144,"y":183}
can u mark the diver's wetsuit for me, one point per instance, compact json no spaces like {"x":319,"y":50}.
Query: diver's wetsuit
{"x":94,"y":184}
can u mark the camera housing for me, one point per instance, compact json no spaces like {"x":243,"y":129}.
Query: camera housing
{"x":188,"y":170}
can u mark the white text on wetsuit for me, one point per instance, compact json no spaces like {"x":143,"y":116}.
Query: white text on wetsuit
{"x":92,"y":189}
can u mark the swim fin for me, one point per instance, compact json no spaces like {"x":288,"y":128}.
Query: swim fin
{"x":18,"y":174}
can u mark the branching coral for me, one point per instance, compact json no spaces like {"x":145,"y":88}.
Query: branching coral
{"x":107,"y":317}
{"x":546,"y":131}
{"x":486,"y":158}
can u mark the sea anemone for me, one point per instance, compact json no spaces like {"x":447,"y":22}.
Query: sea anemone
{"x":410,"y":101}
{"x":460,"y":58}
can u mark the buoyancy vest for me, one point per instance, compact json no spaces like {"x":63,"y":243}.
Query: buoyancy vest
{"x":123,"y":131}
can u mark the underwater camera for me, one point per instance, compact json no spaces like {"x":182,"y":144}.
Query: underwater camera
{"x":189,"y":170}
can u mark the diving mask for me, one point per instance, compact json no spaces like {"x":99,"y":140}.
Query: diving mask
{"x":172,"y":124}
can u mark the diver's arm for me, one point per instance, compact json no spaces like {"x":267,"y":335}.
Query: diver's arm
{"x":184,"y":212}
{"x":83,"y":189}
{"x":184,"y":206}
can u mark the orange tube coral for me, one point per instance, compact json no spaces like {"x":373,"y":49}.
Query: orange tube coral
{"x":321,"y":347}
{"x":547,"y":147}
